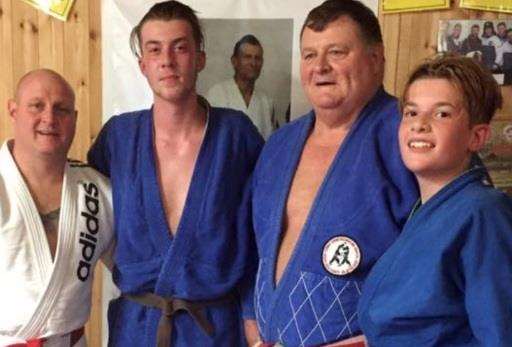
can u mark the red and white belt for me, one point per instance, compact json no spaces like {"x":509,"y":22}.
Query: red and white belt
{"x":74,"y":337}
{"x":356,"y":341}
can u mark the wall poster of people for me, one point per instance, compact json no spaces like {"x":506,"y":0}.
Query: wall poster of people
{"x":273,"y":76}
{"x":488,"y":42}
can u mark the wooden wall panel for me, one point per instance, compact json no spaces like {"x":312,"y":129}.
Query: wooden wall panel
{"x":391,"y":33}
{"x":95,"y":72}
{"x":25,"y":38}
{"x":51,"y":43}
{"x":76,"y":70}
{"x":6,"y":64}
{"x":94,"y":117}
{"x":30,"y":39}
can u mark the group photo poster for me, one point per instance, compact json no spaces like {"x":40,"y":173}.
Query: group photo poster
{"x":486,"y":41}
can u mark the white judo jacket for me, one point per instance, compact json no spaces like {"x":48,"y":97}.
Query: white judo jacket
{"x":41,"y":298}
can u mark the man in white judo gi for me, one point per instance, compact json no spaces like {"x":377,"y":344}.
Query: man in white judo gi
{"x":55,"y":219}
{"x":241,"y":92}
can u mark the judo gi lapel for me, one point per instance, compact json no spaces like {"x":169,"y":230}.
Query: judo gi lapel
{"x":321,"y":199}
{"x":418,"y":223}
{"x":147,"y":177}
{"x":436,"y":202}
{"x":239,"y":98}
{"x":174,"y":248}
{"x":284,"y":181}
{"x":52,"y":275}
{"x":23,"y":199}
{"x":192,"y":210}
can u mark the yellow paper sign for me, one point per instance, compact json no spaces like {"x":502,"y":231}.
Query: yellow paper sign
{"x":56,"y":8}
{"x":488,"y":5}
{"x":393,"y":6}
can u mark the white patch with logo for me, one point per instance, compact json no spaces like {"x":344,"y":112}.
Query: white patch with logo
{"x":341,"y":255}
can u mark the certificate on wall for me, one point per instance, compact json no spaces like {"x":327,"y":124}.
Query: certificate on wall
{"x":56,"y":8}
{"x":393,"y":6}
{"x":488,"y":5}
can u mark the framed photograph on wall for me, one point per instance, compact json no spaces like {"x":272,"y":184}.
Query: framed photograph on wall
{"x":275,"y":36}
{"x":489,"y":42}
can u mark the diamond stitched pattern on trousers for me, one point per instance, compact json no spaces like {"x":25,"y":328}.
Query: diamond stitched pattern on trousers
{"x":316,"y":304}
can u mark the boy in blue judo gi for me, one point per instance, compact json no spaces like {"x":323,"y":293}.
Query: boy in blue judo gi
{"x":330,"y":192}
{"x":178,"y":172}
{"x":447,"y":280}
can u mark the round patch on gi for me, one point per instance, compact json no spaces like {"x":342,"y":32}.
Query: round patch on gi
{"x":341,"y":255}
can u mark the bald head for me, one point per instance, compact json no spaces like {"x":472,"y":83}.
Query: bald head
{"x":44,"y":74}
{"x":43,"y":116}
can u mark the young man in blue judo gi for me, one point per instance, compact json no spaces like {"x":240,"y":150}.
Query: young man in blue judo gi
{"x":178,"y":172}
{"x":330,"y":192}
{"x":447,"y":280}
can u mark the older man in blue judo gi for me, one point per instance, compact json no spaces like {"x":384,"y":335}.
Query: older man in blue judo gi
{"x":178,"y":172}
{"x":330,"y":192}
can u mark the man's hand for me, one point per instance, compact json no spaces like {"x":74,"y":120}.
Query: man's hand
{"x":356,"y":341}
{"x":252,"y":334}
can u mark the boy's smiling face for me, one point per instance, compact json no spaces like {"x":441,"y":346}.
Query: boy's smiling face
{"x":436,"y":139}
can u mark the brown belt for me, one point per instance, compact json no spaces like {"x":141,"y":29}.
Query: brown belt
{"x":170,"y":306}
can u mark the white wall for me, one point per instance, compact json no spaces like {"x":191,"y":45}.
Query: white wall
{"x":124,"y":88}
